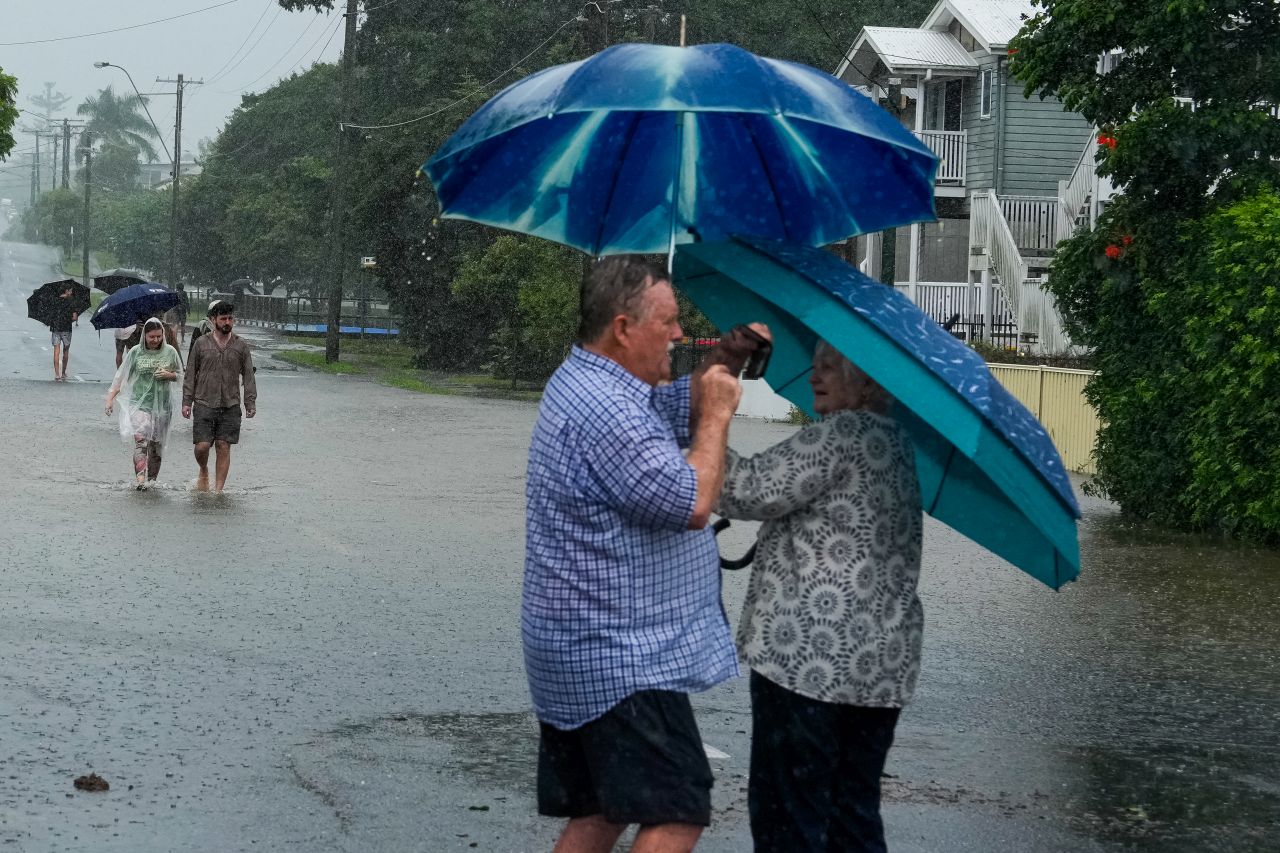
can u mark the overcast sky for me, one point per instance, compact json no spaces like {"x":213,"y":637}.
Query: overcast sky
{"x":242,"y":46}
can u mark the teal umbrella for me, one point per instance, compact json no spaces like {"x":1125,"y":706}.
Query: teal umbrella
{"x":987,"y":467}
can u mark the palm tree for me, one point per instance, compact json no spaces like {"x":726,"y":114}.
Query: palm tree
{"x":118,"y":120}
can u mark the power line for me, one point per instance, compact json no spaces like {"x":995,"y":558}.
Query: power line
{"x":249,"y":35}
{"x":119,"y":29}
{"x":469,"y":95}
{"x":261,"y":36}
{"x":283,"y":55}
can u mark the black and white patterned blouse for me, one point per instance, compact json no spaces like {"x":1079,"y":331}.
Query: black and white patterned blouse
{"x":831,"y":610}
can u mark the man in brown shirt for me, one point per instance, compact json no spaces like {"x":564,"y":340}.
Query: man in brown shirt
{"x":218,"y":362}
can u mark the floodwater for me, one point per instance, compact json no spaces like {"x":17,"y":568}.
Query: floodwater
{"x":326,"y":657}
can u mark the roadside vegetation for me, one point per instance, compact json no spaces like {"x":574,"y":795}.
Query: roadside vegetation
{"x":1177,"y":290}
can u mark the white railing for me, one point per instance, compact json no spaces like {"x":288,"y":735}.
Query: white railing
{"x":952,"y":148}
{"x":1074,"y":192}
{"x":1033,"y":221}
{"x":989,"y":231}
{"x":1038,"y":315}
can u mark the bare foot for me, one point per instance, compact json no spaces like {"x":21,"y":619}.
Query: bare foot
{"x":202,"y":483}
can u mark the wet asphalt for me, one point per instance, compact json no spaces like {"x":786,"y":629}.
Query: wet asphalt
{"x":326,"y":657}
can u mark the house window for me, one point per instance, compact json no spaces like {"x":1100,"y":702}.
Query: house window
{"x":988,"y":90}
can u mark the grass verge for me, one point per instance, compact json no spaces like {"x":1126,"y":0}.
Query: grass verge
{"x":391,"y":363}
{"x":315,"y":361}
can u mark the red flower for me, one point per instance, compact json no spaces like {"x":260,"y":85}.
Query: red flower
{"x":1114,"y":252}
{"x":1127,"y":240}
{"x":1012,"y":51}
{"x":1109,"y":141}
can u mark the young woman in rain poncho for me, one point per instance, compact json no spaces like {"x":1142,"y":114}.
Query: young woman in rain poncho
{"x":147,"y":390}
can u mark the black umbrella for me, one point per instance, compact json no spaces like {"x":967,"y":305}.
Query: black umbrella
{"x":242,"y":286}
{"x":48,"y":306}
{"x":112,"y":280}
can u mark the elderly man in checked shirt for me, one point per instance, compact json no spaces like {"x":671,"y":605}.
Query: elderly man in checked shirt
{"x":622,"y":616}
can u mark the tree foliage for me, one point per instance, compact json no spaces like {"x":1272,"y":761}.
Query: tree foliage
{"x":118,"y":120}
{"x":1173,"y":289}
{"x":260,"y":206}
{"x":8,"y":111}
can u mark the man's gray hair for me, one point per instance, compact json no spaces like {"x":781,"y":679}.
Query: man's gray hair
{"x":614,"y":287}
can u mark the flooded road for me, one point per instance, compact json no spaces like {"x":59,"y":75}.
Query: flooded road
{"x":327,"y":656}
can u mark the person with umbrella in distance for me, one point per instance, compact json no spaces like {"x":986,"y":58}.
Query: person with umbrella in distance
{"x":219,"y":362}
{"x":61,"y":319}
{"x":621,"y":615}
{"x":143,"y":387}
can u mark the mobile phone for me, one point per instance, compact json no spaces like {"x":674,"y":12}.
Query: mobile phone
{"x":759,"y":360}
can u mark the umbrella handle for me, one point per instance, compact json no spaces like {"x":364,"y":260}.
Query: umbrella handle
{"x":740,"y":563}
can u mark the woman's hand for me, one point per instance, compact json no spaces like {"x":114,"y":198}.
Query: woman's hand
{"x":167,"y":375}
{"x":111,"y":399}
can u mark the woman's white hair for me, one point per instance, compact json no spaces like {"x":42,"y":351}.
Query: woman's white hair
{"x":874,"y":396}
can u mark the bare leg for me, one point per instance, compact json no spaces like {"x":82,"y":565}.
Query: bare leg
{"x":66,"y":356}
{"x":591,"y":834}
{"x":667,"y":838}
{"x":57,"y":362}
{"x":202,"y":459}
{"x":222,"y":464}
{"x":153,"y":460}
{"x":140,"y":459}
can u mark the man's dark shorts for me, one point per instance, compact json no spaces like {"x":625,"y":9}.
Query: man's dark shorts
{"x":642,"y":762}
{"x":212,"y":423}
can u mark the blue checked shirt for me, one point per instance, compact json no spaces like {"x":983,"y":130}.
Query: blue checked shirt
{"x":619,"y":595}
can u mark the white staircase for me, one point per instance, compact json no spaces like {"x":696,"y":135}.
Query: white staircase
{"x":992,"y":238}
{"x":1010,"y":236}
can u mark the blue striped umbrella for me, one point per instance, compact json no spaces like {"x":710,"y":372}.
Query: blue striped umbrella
{"x":987,"y":467}
{"x":641,"y":146}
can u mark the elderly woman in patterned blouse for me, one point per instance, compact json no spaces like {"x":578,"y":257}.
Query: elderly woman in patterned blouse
{"x":831,"y":628}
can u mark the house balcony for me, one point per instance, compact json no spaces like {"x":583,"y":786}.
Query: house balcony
{"x":952,"y":148}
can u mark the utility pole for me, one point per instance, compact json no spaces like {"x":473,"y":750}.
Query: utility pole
{"x":53,"y":164}
{"x":66,"y":153}
{"x":88,"y":182}
{"x":177,"y":177}
{"x":338,"y":219}
{"x":35,"y":175}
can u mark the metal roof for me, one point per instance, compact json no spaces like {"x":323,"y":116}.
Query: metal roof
{"x":992,"y":22}
{"x":904,"y":49}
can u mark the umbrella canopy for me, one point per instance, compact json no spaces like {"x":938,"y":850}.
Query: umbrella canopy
{"x":122,"y":308}
{"x":113,"y":280}
{"x":47,"y":305}
{"x":642,"y":145}
{"x":987,"y":467}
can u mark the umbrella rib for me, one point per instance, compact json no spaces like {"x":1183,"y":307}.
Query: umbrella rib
{"x":764,"y":164}
{"x":933,"y":504}
{"x":613,"y":183}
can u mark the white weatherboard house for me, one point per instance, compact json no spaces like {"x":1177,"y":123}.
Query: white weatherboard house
{"x":1016,"y":174}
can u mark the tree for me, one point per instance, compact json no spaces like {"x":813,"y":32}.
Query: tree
{"x":118,"y":120}
{"x":8,"y":112}
{"x":55,"y":219}
{"x":261,"y":204}
{"x":115,"y":169}
{"x":521,"y":294}
{"x":1171,"y":290}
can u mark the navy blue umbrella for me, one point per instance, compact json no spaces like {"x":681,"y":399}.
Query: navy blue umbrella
{"x":642,"y":146}
{"x":122,"y":308}
{"x":987,"y":467}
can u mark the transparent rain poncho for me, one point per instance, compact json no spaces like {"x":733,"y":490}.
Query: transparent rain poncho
{"x":145,"y":404}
